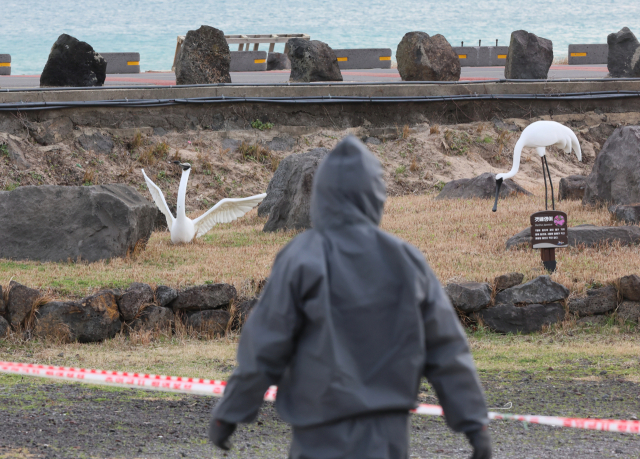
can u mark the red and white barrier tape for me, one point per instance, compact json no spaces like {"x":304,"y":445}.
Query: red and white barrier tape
{"x":216,"y":388}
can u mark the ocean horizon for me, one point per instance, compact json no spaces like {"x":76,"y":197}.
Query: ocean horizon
{"x":150,"y":27}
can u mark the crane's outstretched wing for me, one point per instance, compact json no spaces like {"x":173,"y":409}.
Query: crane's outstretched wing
{"x":227,"y":210}
{"x":158,"y":198}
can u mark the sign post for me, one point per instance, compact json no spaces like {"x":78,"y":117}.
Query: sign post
{"x":549,"y":232}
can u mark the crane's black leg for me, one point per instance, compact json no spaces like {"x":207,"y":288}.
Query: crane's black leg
{"x":546,"y":207}
{"x":553,"y":202}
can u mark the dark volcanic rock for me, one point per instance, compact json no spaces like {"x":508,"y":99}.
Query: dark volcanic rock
{"x":278,"y":61}
{"x":312,"y":60}
{"x":20,"y":303}
{"x":154,"y":318}
{"x":57,"y":223}
{"x":626,"y":213}
{"x":627,"y":311}
{"x":615,"y":177}
{"x":469,"y":296}
{"x":592,"y":320}
{"x":204,"y":58}
{"x":483,"y":186}
{"x":288,"y":198}
{"x":508,"y":280}
{"x":424,"y":58}
{"x":134,"y":299}
{"x":4,"y":327}
{"x":97,"y":143}
{"x":3,"y":309}
{"x":507,"y":318}
{"x":597,"y":301}
{"x":165,"y":295}
{"x":16,"y":148}
{"x":73,"y":63}
{"x":587,"y":236}
{"x":624,"y":52}
{"x":281,"y":143}
{"x":96,"y":318}
{"x":630,"y":287}
{"x":53,"y":131}
{"x":529,"y":57}
{"x":244,"y":309}
{"x":572,"y":188}
{"x":539,"y":290}
{"x":202,"y":297}
{"x":213,"y":322}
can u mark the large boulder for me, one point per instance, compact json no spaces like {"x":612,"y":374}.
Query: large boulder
{"x":539,"y":290}
{"x":204,"y":58}
{"x":4,"y":327}
{"x":483,"y":186}
{"x":624,"y":52}
{"x":312,"y":60}
{"x":73,"y":63}
{"x":424,"y":58}
{"x":58,"y":223}
{"x":278,"y":61}
{"x":630,"y":287}
{"x":587,"y":236}
{"x":288,"y":200}
{"x":572,"y":188}
{"x":626,"y":213}
{"x":135,"y":299}
{"x":96,"y":318}
{"x":204,"y":297}
{"x":627,"y":311}
{"x":508,"y":280}
{"x":529,"y":57}
{"x":615,"y":177}
{"x":597,"y":301}
{"x":469,"y":296}
{"x":153,"y":318}
{"x":20,"y":303}
{"x":165,"y":295}
{"x":507,"y":318}
{"x":211,"y":323}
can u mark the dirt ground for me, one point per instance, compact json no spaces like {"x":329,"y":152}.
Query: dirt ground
{"x":43,"y":420}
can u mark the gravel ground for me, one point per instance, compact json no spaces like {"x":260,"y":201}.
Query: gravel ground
{"x":76,"y":421}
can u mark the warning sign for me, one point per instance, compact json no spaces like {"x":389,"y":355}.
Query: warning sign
{"x":549,"y":230}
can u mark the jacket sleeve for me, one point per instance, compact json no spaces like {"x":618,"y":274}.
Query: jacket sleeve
{"x":266,"y":345}
{"x":449,"y":365}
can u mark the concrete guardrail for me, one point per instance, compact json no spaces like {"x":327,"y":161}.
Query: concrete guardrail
{"x":248,"y":61}
{"x":122,"y":62}
{"x":5,"y":64}
{"x":588,"y":54}
{"x":374,"y":58}
{"x":482,"y":56}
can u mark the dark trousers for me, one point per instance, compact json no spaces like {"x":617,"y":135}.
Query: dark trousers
{"x":375,"y":436}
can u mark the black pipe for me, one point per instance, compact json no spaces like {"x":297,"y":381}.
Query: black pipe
{"x":498,"y":185}
{"x":546,"y":206}
{"x":553,"y":202}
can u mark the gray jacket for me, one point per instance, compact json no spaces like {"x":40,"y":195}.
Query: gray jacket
{"x":351,"y":317}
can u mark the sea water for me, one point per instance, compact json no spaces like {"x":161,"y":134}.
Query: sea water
{"x":28,"y":28}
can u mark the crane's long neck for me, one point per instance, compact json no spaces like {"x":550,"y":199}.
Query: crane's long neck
{"x":182,"y":195}
{"x":517,"y":152}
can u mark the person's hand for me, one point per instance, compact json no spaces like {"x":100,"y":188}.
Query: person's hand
{"x":480,"y":440}
{"x":219,"y":433}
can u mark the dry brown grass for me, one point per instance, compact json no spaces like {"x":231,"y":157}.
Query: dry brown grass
{"x":561,"y":60}
{"x":461,"y":240}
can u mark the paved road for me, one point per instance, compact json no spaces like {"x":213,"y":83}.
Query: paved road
{"x":375,"y":75}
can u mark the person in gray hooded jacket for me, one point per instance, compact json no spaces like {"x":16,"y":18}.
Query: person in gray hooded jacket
{"x":349,"y":321}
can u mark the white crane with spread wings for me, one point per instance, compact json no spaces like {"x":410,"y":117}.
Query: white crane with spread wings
{"x":182,"y":228}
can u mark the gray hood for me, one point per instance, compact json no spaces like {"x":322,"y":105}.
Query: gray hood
{"x":348,"y":187}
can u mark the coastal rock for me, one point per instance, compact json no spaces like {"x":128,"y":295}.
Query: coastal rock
{"x":73,"y":63}
{"x":483,"y":186}
{"x":154,"y":318}
{"x":507,"y":281}
{"x":134,"y":300}
{"x":630,"y":287}
{"x":628,"y":311}
{"x":3,"y":309}
{"x":539,"y":290}
{"x":626,"y":213}
{"x":20,"y":303}
{"x":288,"y":198}
{"x":597,"y":301}
{"x":507,"y":318}
{"x":312,"y":60}
{"x":58,"y":223}
{"x":624,"y":52}
{"x":165,"y":295}
{"x":98,"y":143}
{"x":469,"y":296}
{"x":278,"y":61}
{"x":204,"y":58}
{"x":16,"y":154}
{"x":94,"y":319}
{"x":615,"y":177}
{"x":204,"y":297}
{"x":211,"y":323}
{"x":572,"y":188}
{"x":424,"y":58}
{"x":281,"y":144}
{"x":4,"y":327}
{"x":53,"y":131}
{"x":529,"y":57}
{"x":587,"y":236}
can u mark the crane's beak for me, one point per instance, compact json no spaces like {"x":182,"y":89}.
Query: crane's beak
{"x":174,"y":162}
{"x":498,"y":185}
